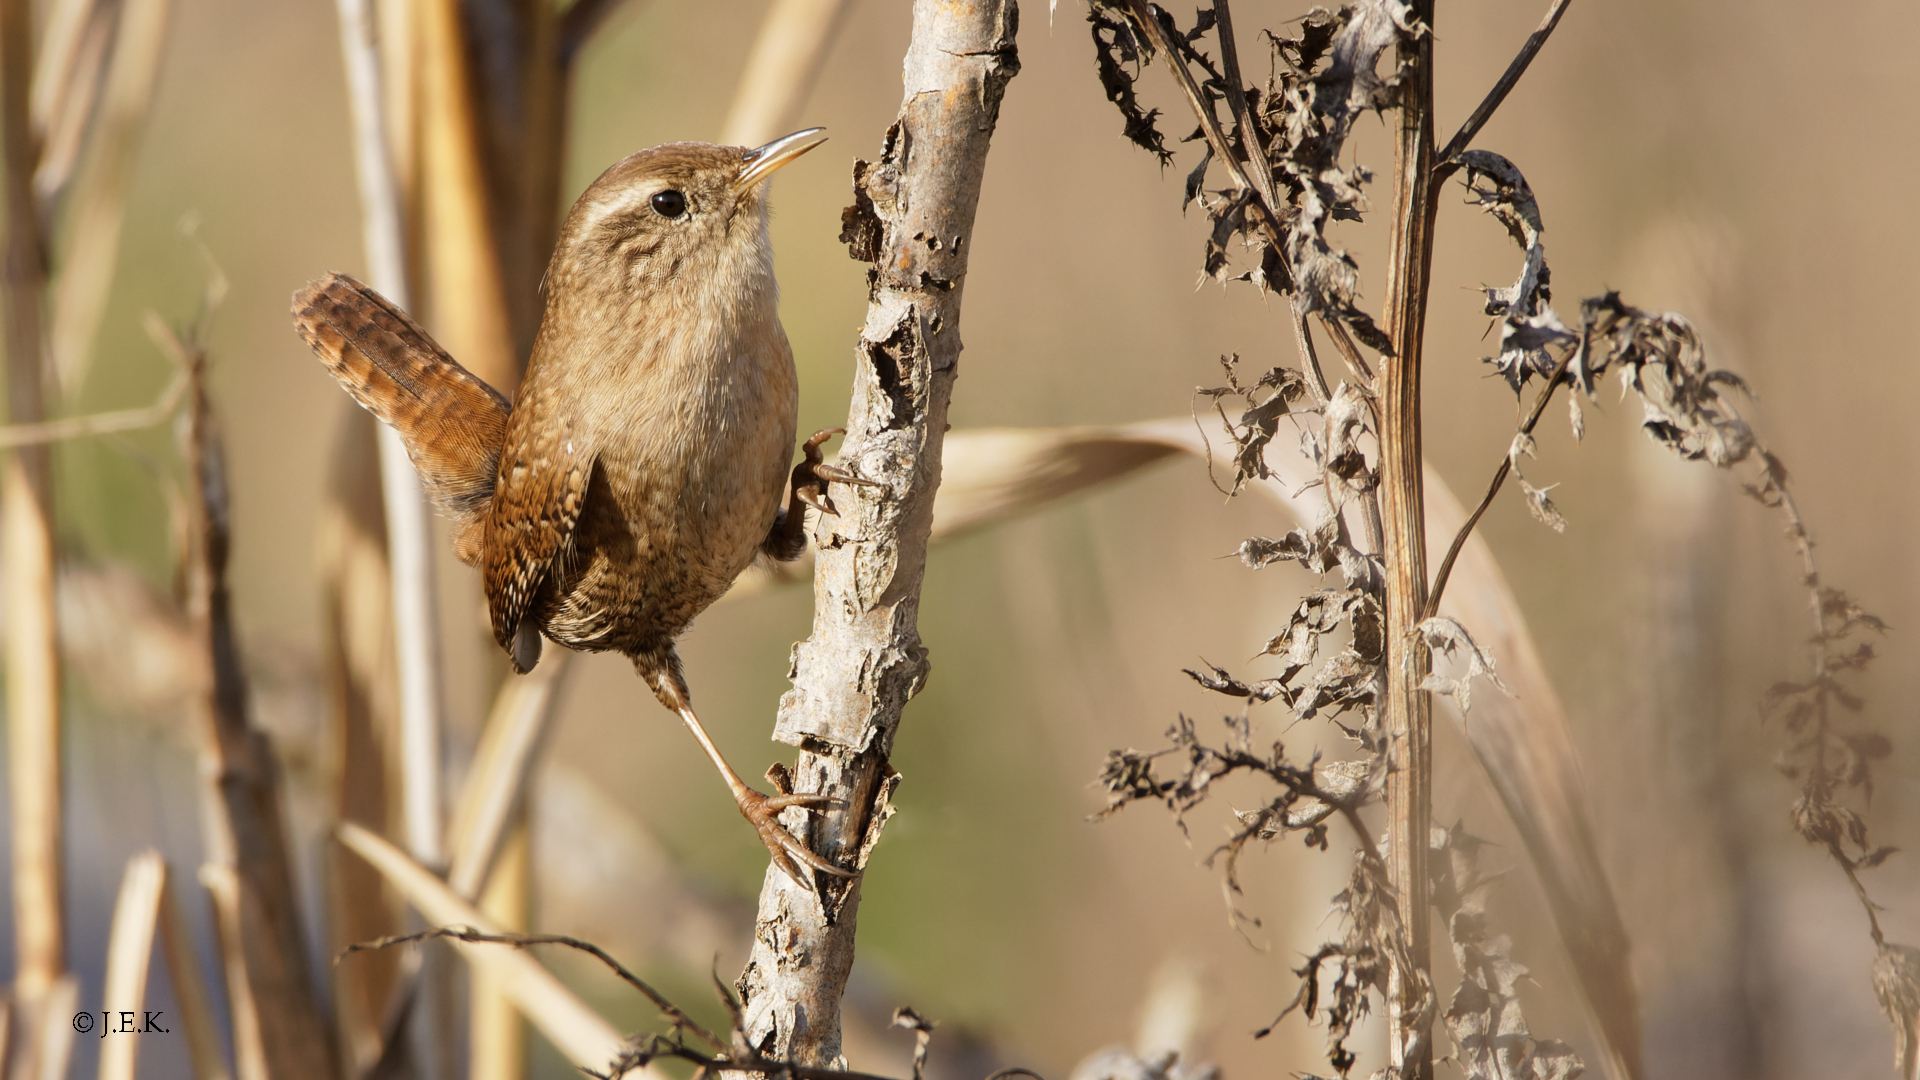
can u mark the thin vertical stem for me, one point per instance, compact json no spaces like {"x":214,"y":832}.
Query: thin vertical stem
{"x":409,"y":528}
{"x":465,"y":286}
{"x":98,"y":200}
{"x":1409,"y":713}
{"x":417,"y":640}
{"x":357,"y":575}
{"x":497,"y":1036}
{"x":136,"y":916}
{"x":280,"y":1031}
{"x":786,"y":59}
{"x":27,"y":548}
{"x":189,"y":989}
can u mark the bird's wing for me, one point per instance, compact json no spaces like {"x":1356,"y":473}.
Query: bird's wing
{"x":453,"y":424}
{"x":541,"y":487}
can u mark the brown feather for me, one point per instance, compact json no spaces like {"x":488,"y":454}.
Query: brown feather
{"x":541,"y":489}
{"x":452,"y":423}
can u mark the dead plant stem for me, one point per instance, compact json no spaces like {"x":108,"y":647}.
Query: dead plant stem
{"x":27,"y":547}
{"x":1409,"y":710}
{"x":1445,"y":166}
{"x":1243,"y":127}
{"x":1309,"y":356}
{"x":1439,"y":586}
{"x":1810,"y":575}
{"x":249,"y":858}
{"x":1143,"y":14}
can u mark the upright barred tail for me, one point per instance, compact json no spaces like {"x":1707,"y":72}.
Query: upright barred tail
{"x":453,"y":424}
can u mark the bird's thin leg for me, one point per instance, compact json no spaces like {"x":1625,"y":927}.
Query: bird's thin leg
{"x":788,"y":538}
{"x":662,"y":673}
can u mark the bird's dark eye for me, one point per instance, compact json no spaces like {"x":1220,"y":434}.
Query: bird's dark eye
{"x":669,"y":204}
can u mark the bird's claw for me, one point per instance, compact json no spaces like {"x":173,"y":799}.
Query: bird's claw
{"x":789,"y":854}
{"x":813,"y":474}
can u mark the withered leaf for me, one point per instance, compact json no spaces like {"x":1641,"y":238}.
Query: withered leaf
{"x":1541,"y":507}
{"x":1447,"y":638}
{"x":1875,"y":857}
{"x":1117,"y":47}
{"x":1220,"y":681}
{"x":1346,"y":681}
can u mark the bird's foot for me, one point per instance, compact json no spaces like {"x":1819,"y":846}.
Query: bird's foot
{"x":811,"y":476}
{"x":789,"y":854}
{"x":788,"y":538}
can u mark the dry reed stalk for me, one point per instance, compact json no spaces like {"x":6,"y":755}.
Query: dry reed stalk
{"x":520,"y":89}
{"x":39,"y":1033}
{"x":495,"y":791}
{"x":27,"y":578}
{"x":580,"y":1034}
{"x":356,"y":573}
{"x":250,"y":866}
{"x":396,"y":29}
{"x":66,"y":83}
{"x":416,"y":630}
{"x":786,"y":61}
{"x":416,"y":639}
{"x":466,"y":300}
{"x":409,"y":528}
{"x":1524,"y":742}
{"x":485,"y":211}
{"x":98,"y":200}
{"x":189,"y":989}
{"x":129,"y":949}
{"x":1409,"y":712}
{"x":491,"y":802}
{"x":106,"y":423}
{"x":356,"y":584}
{"x":243,"y":1008}
{"x":853,"y":676}
{"x":497,"y":1040}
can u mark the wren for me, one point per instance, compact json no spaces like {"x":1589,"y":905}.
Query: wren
{"x":642,"y":465}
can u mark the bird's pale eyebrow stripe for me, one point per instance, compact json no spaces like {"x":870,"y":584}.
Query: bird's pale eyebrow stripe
{"x":622,"y":202}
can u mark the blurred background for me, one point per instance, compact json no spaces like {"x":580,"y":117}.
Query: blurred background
{"x":1742,"y":163}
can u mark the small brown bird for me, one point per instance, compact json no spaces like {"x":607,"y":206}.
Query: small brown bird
{"x":642,"y":465}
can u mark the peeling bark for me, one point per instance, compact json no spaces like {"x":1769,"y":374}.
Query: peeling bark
{"x":913,"y":218}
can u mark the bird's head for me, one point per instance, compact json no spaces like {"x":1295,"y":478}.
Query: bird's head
{"x":675,"y":222}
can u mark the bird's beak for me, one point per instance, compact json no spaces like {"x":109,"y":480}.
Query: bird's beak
{"x":760,"y":163}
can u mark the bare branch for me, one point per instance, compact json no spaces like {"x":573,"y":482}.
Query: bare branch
{"x":74,"y":427}
{"x":469,"y":934}
{"x":1439,"y":586}
{"x":1508,"y":80}
{"x":913,"y":212}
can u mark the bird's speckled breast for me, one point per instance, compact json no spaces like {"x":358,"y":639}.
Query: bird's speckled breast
{"x":693,"y":446}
